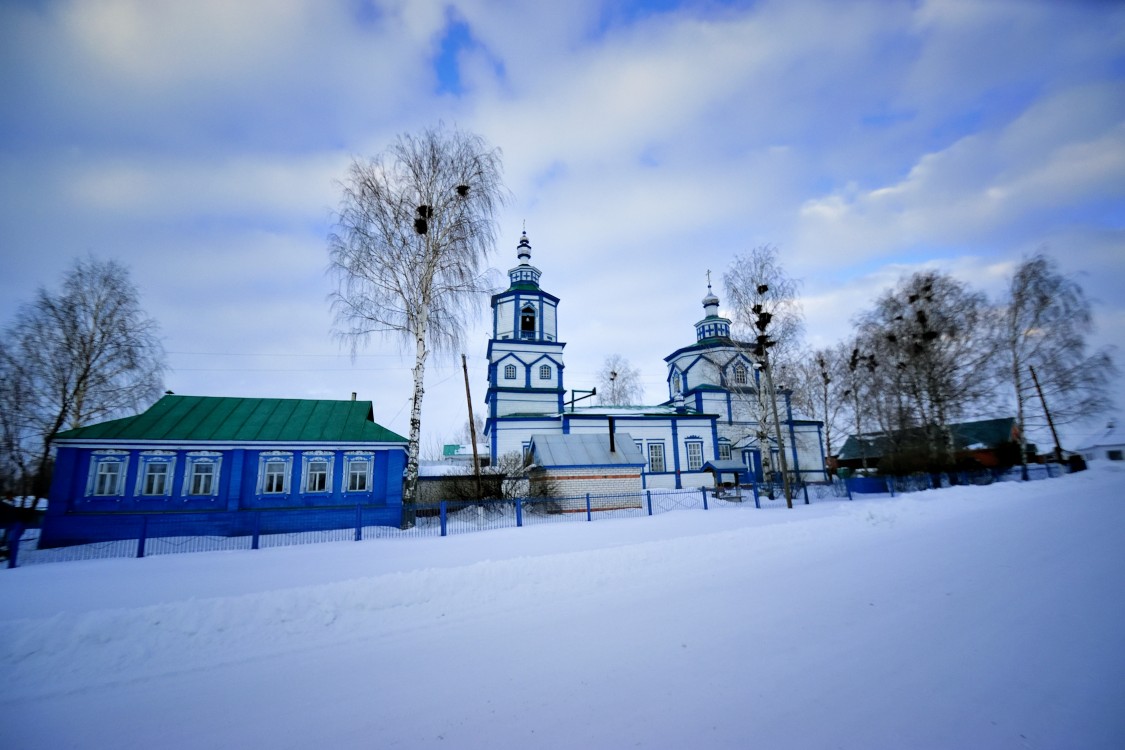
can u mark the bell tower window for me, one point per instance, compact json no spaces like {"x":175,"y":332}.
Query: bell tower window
{"x":527,"y":322}
{"x":739,"y":375}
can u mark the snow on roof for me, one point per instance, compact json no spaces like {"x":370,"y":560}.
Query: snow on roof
{"x":1110,"y":436}
{"x":552,"y":451}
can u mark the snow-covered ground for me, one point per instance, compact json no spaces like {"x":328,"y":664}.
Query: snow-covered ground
{"x":971,"y":617}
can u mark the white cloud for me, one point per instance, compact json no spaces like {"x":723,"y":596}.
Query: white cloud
{"x":199,"y":143}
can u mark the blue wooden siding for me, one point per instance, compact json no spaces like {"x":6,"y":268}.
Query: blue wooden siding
{"x":74,"y":515}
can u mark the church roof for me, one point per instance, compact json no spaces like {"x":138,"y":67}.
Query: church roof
{"x":718,"y":342}
{"x":222,"y":419}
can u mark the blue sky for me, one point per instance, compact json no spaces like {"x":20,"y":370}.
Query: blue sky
{"x":644,"y":143}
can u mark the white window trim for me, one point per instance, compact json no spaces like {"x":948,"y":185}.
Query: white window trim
{"x":268,"y":457}
{"x":150,"y":458}
{"x":97,"y":458}
{"x":354,"y":457}
{"x":195,"y":458}
{"x":306,"y":460}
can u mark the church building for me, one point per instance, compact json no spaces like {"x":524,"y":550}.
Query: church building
{"x":709,"y":420}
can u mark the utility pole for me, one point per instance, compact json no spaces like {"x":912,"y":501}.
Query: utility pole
{"x":472,"y":429}
{"x":1050,"y":423}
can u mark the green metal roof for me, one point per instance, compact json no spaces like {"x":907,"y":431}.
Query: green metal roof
{"x":221,"y":419}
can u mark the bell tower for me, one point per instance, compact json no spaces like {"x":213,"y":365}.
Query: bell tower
{"x":525,"y":362}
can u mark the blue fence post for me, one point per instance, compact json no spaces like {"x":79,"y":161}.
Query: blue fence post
{"x":805,"y":487}
{"x":257,"y":529}
{"x":142,"y":536}
{"x":757,"y":501}
{"x":519,"y":511}
{"x":358,"y":522}
{"x":15,"y":531}
{"x":891,"y":486}
{"x":441,"y":513}
{"x":648,"y":495}
{"x":589,"y":515}
{"x":704,"y":491}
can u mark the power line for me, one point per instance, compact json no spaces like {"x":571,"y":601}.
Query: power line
{"x":266,"y":354}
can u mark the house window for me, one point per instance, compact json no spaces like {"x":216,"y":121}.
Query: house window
{"x":107,"y":473}
{"x":156,"y":473}
{"x":544,"y":372}
{"x":724,"y":450}
{"x":275,"y":473}
{"x":359,"y":473}
{"x":203,"y":474}
{"x":109,"y":479}
{"x":318,"y":470}
{"x":739,"y":375}
{"x":202,"y":481}
{"x":676,"y":383}
{"x":694,"y":455}
{"x":1115,"y":455}
{"x":509,"y":372}
{"x":656,"y":457}
{"x":155,"y":480}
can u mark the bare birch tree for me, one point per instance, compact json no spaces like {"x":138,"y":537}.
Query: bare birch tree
{"x":619,"y":383}
{"x":411,"y":238}
{"x":766,"y":311}
{"x":84,"y":354}
{"x":932,"y":343}
{"x":1046,"y":318}
{"x":817,"y":380}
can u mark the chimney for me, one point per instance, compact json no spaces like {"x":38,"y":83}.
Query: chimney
{"x":612,"y":446}
{"x":353,"y":395}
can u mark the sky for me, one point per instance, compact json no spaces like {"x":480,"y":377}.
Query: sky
{"x":968,"y":617}
{"x":644,"y":143}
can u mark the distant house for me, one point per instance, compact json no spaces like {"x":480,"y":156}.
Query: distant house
{"x":1109,"y":446}
{"x":221,"y":457}
{"x":988,"y":443}
{"x":576,"y":464}
{"x":456,"y":453}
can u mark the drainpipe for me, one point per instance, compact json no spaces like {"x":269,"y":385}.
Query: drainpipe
{"x":612,"y":445}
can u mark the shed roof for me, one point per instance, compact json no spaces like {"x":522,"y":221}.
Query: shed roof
{"x":726,"y":466}
{"x":554,"y":451}
{"x":214,"y":418}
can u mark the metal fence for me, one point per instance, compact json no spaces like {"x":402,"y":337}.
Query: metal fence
{"x":169,"y":533}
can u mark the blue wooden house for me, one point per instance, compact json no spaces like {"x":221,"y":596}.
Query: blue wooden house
{"x":210,"y":463}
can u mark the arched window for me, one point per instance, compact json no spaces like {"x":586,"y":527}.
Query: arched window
{"x":509,"y":372}
{"x":544,"y":372}
{"x":739,"y":375}
{"x":527,"y":322}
